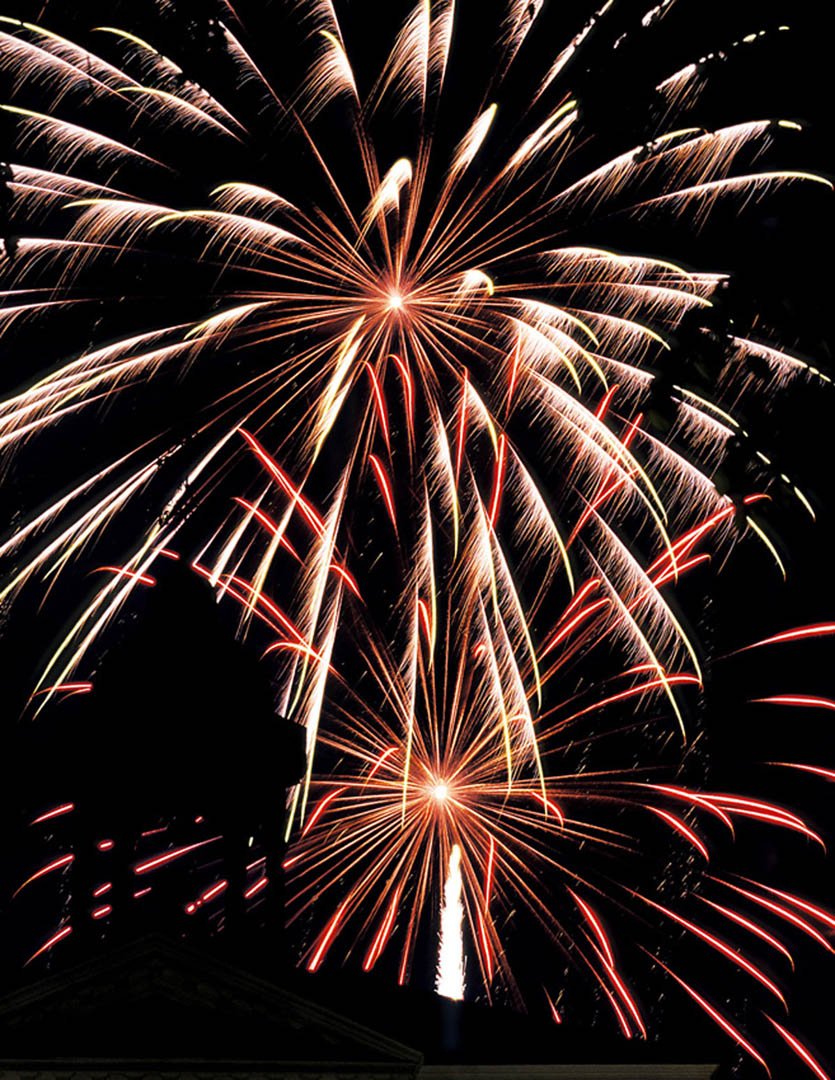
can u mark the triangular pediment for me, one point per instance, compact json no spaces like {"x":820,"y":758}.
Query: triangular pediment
{"x":158,"y":999}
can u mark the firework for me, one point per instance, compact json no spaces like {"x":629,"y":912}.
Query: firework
{"x":390,"y":399}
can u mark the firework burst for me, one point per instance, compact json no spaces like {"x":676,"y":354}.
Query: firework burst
{"x":355,"y":352}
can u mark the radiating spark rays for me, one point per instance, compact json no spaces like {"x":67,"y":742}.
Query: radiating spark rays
{"x":417,"y":335}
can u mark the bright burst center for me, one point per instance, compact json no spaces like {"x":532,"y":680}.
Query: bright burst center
{"x":395,"y":301}
{"x":440,"y":792}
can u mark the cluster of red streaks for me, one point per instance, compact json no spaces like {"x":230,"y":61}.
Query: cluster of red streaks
{"x":383,"y":934}
{"x":308,"y":512}
{"x":665,"y":567}
{"x":385,"y":487}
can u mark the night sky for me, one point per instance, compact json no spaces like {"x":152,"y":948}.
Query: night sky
{"x":776,"y":248}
